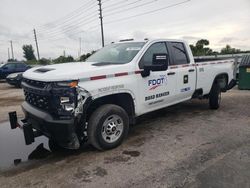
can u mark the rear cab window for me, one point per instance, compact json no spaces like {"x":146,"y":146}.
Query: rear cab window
{"x":178,"y":53}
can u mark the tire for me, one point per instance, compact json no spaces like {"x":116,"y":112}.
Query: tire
{"x":215,"y":97}
{"x":107,"y":127}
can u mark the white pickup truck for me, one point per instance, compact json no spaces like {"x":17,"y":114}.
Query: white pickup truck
{"x":96,"y":101}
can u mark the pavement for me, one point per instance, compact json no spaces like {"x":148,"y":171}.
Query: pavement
{"x":187,"y":145}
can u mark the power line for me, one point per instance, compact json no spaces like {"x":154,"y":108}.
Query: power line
{"x":68,"y":29}
{"x":72,"y":34}
{"x":81,"y":17}
{"x":120,"y":5}
{"x":148,"y":12}
{"x":114,"y":4}
{"x":71,"y":26}
{"x":67,"y":16}
{"x":131,"y":8}
{"x":54,"y":37}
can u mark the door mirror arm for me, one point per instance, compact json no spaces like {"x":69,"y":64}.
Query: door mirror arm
{"x":145,"y":72}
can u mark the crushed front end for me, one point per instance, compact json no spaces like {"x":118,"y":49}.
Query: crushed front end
{"x":53,"y":109}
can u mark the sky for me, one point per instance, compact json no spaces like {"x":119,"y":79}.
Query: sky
{"x":62,"y":24}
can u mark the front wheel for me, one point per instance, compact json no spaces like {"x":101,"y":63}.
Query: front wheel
{"x":215,"y":97}
{"x":107,"y":127}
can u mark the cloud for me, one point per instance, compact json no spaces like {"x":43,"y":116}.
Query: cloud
{"x":227,"y":40}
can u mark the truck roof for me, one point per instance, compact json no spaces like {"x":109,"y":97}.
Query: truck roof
{"x":152,"y":40}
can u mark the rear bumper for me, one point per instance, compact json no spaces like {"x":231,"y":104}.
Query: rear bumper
{"x":62,"y":131}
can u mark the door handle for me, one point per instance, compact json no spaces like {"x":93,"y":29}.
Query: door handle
{"x":191,"y":70}
{"x":171,"y":73}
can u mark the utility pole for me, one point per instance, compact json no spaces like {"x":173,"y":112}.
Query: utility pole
{"x":8,"y":53}
{"x":64,"y":54}
{"x":101,"y":19}
{"x":38,"y":56}
{"x":12,"y":53}
{"x":80,"y":52}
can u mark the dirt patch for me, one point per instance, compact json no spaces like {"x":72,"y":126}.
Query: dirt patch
{"x":100,"y":172}
{"x":116,"y":159}
{"x":132,"y":153}
{"x":11,"y":99}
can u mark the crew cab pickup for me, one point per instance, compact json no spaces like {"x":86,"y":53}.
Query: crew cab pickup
{"x":96,"y":101}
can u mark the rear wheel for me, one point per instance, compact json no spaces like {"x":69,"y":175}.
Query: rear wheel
{"x":215,"y":97}
{"x":107,"y":127}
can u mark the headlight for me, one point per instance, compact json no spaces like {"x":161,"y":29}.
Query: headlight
{"x":14,"y":75}
{"x":71,"y":84}
{"x":66,"y":104}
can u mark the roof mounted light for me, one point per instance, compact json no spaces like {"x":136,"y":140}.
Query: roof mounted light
{"x":126,"y":40}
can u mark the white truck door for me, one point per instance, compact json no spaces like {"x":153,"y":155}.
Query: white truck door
{"x":158,"y":89}
{"x":185,"y":70}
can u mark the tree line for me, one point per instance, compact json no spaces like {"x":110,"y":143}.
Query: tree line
{"x":201,"y":49}
{"x":29,"y":55}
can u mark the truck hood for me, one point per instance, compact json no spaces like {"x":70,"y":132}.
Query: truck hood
{"x":71,"y":71}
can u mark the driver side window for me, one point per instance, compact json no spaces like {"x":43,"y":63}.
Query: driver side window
{"x":157,"y":48}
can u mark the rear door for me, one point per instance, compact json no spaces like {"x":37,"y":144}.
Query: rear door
{"x":158,"y":89}
{"x":185,"y":71}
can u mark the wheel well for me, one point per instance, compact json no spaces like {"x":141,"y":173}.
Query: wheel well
{"x":123,"y":100}
{"x":222,"y":80}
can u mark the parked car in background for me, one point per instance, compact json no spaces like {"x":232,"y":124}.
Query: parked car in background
{"x":15,"y":79}
{"x":12,"y":67}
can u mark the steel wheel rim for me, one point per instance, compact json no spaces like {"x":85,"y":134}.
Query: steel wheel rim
{"x":112,"y":128}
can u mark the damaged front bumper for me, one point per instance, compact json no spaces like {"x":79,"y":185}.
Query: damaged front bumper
{"x":38,"y":123}
{"x":67,"y":133}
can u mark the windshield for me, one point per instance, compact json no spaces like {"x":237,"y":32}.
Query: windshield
{"x":117,"y":53}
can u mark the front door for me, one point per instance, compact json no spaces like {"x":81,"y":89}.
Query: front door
{"x":158,"y":89}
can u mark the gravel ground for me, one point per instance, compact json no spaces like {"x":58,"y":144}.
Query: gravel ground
{"x":186,"y":145}
{"x":10,"y":100}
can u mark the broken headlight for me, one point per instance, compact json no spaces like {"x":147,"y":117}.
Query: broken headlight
{"x":67,"y":104}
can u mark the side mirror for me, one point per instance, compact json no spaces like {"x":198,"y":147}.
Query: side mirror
{"x":159,"y":63}
{"x":5,"y":68}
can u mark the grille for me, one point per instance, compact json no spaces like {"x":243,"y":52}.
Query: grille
{"x":35,"y":83}
{"x":38,"y":101}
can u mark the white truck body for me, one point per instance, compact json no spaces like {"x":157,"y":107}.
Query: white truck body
{"x":63,"y":101}
{"x":126,"y":78}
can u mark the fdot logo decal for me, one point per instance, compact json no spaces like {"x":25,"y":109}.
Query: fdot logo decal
{"x":155,"y":83}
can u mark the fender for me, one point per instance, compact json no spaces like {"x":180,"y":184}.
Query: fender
{"x":224,"y":89}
